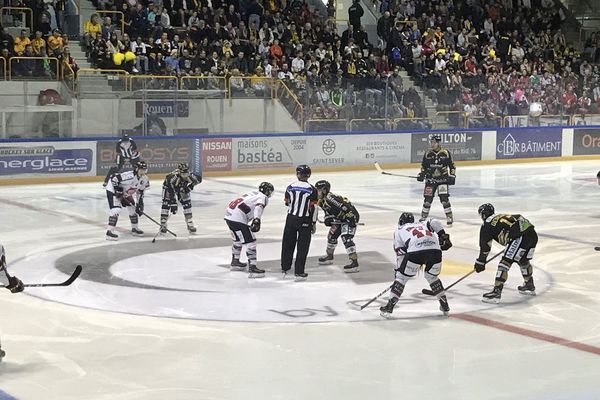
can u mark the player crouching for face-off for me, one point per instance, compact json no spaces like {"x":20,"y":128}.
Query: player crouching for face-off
{"x":120,"y":191}
{"x":178,"y":186}
{"x":519,"y":236}
{"x":11,"y":283}
{"x":239,"y":213}
{"x":418,"y":244}
{"x":341,"y":217}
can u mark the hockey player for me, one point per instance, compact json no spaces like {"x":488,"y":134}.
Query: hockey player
{"x":120,"y":192}
{"x":438,"y":172}
{"x":519,"y":236}
{"x":126,"y":150}
{"x":418,"y":244}
{"x":341,"y":217}
{"x":177,"y":187}
{"x":11,"y":283}
{"x":239,"y":212}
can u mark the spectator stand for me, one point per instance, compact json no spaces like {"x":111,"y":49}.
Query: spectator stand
{"x":12,"y":23}
{"x":24,"y":68}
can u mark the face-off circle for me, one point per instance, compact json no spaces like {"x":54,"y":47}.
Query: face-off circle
{"x":191,"y":279}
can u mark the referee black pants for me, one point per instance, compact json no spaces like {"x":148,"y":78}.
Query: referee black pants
{"x":297,"y":230}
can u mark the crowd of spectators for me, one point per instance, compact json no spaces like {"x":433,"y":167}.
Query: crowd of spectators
{"x":492,"y":58}
{"x":44,"y":40}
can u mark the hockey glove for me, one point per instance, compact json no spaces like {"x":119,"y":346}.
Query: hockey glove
{"x":119,"y":192}
{"x":255,"y":225}
{"x":127,"y":201}
{"x":479,"y":266}
{"x":139,"y":209}
{"x":421,"y":176}
{"x":445,"y":242}
{"x":173,"y":208}
{"x":329,"y":220}
{"x":15,"y":285}
{"x":451,"y":180}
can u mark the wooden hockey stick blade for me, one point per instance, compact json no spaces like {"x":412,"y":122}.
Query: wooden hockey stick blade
{"x":378,"y":168}
{"x":71,"y":279}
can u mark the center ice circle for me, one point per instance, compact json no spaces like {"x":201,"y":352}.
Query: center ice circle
{"x":196,"y":283}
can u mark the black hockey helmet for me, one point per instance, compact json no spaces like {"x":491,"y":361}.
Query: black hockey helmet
{"x":323,"y":185}
{"x":598,"y":175}
{"x":183,"y":169}
{"x":266,"y":188}
{"x":141,"y":165}
{"x":303,"y":171}
{"x":435,"y":137}
{"x":485,"y":211}
{"x":406,"y":218}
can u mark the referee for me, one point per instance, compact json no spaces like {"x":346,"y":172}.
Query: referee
{"x":300,"y":224}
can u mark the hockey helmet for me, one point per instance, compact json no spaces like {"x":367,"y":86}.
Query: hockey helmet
{"x":435,"y":137}
{"x":323,"y":185}
{"x":598,"y":175}
{"x":266,"y":188}
{"x":141,"y":166}
{"x":406,"y":218}
{"x":303,"y":171}
{"x":485,"y":211}
{"x":184,"y":170}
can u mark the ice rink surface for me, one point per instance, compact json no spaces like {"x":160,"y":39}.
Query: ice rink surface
{"x":170,"y":321}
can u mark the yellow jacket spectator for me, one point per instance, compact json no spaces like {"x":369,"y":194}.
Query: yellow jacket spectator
{"x":38,"y":44}
{"x":92,"y":26}
{"x":55,"y":43}
{"x":21,"y":42}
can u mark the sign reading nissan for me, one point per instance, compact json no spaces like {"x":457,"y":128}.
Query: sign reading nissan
{"x":462,"y":145}
{"x":586,"y":141}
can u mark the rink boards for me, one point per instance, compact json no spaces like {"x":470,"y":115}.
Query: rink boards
{"x":212,"y":155}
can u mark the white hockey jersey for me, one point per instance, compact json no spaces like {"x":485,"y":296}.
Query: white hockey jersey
{"x":129,"y":182}
{"x":246,"y":208}
{"x":418,"y":236}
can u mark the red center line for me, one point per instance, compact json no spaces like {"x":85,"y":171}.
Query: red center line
{"x":56,"y":213}
{"x":529,"y":333}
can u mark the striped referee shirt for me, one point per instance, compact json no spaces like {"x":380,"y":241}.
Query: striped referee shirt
{"x":301,"y":197}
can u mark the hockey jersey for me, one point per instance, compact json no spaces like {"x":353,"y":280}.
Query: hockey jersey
{"x":339,"y":208}
{"x":438,"y":164}
{"x":129,"y":183}
{"x":246,"y":208}
{"x":418,"y":236}
{"x":502,"y":228}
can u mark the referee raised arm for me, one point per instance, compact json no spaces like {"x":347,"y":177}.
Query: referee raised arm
{"x":300,"y":197}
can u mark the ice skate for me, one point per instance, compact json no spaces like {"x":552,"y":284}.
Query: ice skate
{"x":387,"y":310}
{"x":137,"y":232}
{"x":2,"y":354}
{"x":191,"y":229}
{"x":528,"y":288}
{"x":254,"y":272}
{"x":163,"y":229}
{"x":449,"y":221}
{"x":352,"y":267}
{"x":326,"y":259}
{"x":237,"y":265}
{"x":300,"y":277}
{"x":444,"y":308}
{"x":110,"y":235}
{"x":494,"y":296}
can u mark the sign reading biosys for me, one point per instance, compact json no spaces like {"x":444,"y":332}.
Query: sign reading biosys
{"x":58,"y":158}
{"x":161,"y":155}
{"x":528,"y":143}
{"x":462,"y":145}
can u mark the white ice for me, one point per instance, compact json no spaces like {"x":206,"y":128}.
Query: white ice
{"x":175,"y":330}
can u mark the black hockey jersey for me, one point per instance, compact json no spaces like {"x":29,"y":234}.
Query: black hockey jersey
{"x":177,"y":185}
{"x":437,"y":164}
{"x":502,"y":228}
{"x":339,"y":208}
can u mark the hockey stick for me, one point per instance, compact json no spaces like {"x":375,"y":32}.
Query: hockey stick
{"x":376,"y":297}
{"x":157,"y":223}
{"x":378,"y":167}
{"x":68,"y":282}
{"x":339,"y":223}
{"x":430,"y":292}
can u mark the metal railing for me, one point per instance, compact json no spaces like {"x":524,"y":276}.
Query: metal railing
{"x":585,"y":119}
{"x":412,"y":123}
{"x":68,"y":75}
{"x":38,"y":67}
{"x":485,"y":122}
{"x":120,"y":17}
{"x":461,"y":118}
{"x":114,"y":74}
{"x":290,"y":101}
{"x":4,"y":70}
{"x":153,"y":82}
{"x":251,"y":87}
{"x":370,"y":124}
{"x":24,"y":10}
{"x":192,"y":82}
{"x":543,"y":120}
{"x":326,"y":125}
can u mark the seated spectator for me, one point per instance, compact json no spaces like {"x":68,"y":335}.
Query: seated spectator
{"x":38,"y":44}
{"x":56,"y":42}
{"x":20,"y":43}
{"x":90,"y":29}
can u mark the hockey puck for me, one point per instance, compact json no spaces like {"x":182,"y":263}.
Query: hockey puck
{"x":597,"y":248}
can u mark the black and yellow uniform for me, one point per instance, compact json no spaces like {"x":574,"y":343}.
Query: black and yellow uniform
{"x":177,"y":187}
{"x":342,"y":217}
{"x":438,"y":171}
{"x":520,"y":238}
